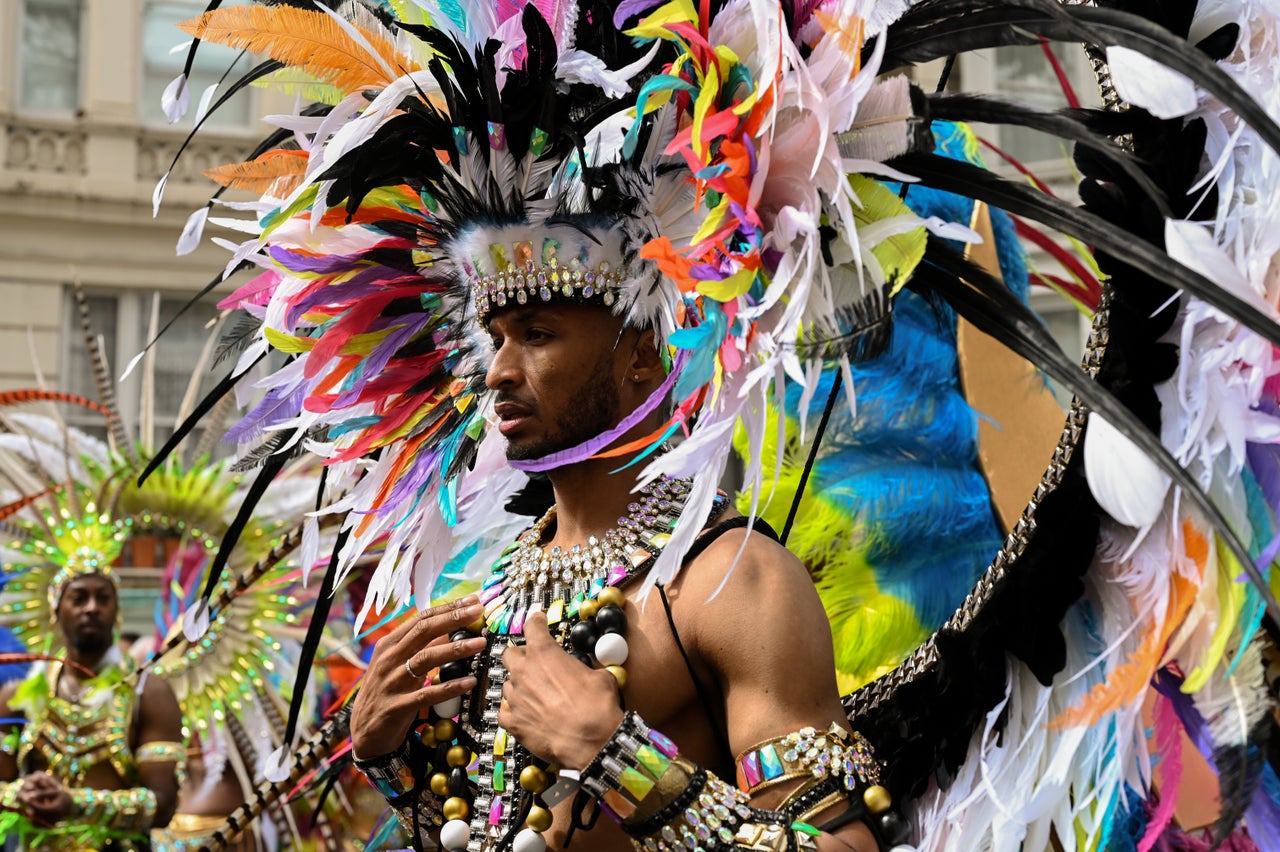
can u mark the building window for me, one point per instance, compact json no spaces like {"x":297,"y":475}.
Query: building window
{"x":164,"y":52}
{"x":49,"y":72}
{"x":121,"y":322}
{"x":1023,"y":74}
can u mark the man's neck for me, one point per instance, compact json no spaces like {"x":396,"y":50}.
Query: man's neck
{"x":590,"y":498}
{"x":85,"y":666}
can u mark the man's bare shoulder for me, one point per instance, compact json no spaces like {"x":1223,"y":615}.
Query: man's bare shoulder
{"x":745,"y":561}
{"x":157,"y":691}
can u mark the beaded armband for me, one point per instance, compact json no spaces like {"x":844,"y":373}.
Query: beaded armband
{"x":668,"y":804}
{"x":161,"y":751}
{"x":812,"y":755}
{"x":132,"y":810}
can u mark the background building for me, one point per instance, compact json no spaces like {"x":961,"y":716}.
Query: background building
{"x":83,"y":144}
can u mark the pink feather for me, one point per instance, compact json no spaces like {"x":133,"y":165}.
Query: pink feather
{"x":1169,"y":746}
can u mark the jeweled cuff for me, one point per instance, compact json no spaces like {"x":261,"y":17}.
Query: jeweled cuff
{"x":161,"y":751}
{"x":812,"y":755}
{"x":393,"y":774}
{"x":130,"y":811}
{"x":667,"y":803}
{"x":401,"y":779}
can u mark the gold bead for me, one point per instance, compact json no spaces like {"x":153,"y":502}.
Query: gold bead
{"x":477,"y":627}
{"x":611,"y":596}
{"x":428,"y":736}
{"x":533,"y":779}
{"x":877,"y":799}
{"x":539,"y":819}
{"x":619,"y":674}
{"x":456,"y":808}
{"x":588,"y":609}
{"x":458,"y":755}
{"x":440,"y":784}
{"x":444,"y":730}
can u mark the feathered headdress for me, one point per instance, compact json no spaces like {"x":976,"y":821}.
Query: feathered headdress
{"x":680,"y":168}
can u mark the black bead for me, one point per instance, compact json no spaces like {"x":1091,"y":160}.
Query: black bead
{"x":458,"y":781}
{"x":583,"y":635}
{"x":455,"y":670}
{"x":460,"y":634}
{"x":581,"y":657}
{"x":893,"y":828}
{"x":611,"y":619}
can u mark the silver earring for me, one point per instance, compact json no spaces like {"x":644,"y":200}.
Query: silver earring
{"x":635,"y":377}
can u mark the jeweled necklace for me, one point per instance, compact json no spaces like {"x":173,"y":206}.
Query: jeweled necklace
{"x":577,"y":588}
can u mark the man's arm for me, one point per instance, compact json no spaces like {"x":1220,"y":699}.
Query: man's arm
{"x":160,"y":747}
{"x":764,"y":638}
{"x":778,"y":677}
{"x":8,"y":758}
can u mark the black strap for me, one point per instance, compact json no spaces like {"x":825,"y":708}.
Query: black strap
{"x":701,"y":544}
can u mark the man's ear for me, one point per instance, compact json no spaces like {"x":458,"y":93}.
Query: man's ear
{"x":645,"y":364}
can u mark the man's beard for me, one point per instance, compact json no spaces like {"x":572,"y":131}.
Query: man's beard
{"x":589,"y":412}
{"x":90,"y":644}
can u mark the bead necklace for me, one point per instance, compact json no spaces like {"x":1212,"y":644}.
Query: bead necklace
{"x":577,"y":588}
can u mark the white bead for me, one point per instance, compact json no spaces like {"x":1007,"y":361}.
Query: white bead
{"x":903,"y":848}
{"x":454,"y":835}
{"x":611,"y":650}
{"x":528,"y":840}
{"x":449,"y":709}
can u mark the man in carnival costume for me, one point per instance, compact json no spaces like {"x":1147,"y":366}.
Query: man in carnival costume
{"x":548,"y":237}
{"x":563,"y":372}
{"x":94,"y":764}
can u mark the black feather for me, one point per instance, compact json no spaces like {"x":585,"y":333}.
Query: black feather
{"x":202,"y":408}
{"x":1063,"y":124}
{"x":975,"y":182}
{"x":987,"y":303}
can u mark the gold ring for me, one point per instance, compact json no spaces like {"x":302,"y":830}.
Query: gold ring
{"x":409,"y":669}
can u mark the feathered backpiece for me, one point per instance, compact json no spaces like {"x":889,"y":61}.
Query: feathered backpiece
{"x":710,"y":170}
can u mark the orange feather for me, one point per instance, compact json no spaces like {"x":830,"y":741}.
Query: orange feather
{"x":1130,"y":678}
{"x":276,"y":172}
{"x":306,"y":39}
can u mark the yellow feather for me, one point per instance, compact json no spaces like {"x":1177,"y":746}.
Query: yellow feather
{"x":306,"y":39}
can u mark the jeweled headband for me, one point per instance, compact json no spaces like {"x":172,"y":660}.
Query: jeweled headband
{"x":523,"y":263}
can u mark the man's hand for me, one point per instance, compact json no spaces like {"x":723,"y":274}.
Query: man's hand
{"x":44,"y":799}
{"x":391,"y":696}
{"x":559,"y":709}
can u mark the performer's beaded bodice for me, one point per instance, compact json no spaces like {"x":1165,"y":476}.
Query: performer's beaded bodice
{"x":75,"y":736}
{"x":578,"y":589}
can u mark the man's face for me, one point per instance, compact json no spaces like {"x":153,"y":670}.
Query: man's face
{"x":557,"y":375}
{"x":87,"y":614}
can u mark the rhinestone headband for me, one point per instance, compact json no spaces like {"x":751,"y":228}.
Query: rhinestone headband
{"x":550,"y":268}
{"x":574,"y":283}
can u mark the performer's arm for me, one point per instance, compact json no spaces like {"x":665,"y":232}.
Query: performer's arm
{"x":764,"y":638}
{"x":8,"y":735}
{"x":393,"y":759}
{"x":160,"y":747}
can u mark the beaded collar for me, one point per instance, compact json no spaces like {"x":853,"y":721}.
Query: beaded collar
{"x":523,"y":580}
{"x":526,"y":579}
